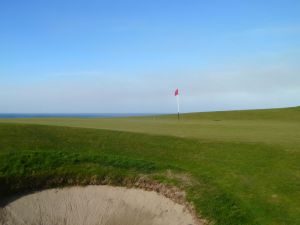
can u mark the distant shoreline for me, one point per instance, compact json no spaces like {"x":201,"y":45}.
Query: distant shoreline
{"x":74,"y":115}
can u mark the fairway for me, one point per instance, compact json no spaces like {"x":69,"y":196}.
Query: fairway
{"x":272,"y":126}
{"x":238,"y":167}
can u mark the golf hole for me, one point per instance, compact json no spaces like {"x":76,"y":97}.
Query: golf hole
{"x":95,"y":205}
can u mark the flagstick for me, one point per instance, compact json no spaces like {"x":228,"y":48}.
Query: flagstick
{"x":177,"y":106}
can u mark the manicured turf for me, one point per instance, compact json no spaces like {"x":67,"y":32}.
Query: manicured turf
{"x":243,"y":166}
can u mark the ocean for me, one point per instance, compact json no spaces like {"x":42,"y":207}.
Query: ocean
{"x":73,"y":115}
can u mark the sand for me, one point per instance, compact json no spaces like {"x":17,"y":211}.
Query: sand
{"x":95,"y":205}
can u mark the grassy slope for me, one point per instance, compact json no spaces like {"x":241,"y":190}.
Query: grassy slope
{"x":275,"y":126}
{"x":246,"y":170}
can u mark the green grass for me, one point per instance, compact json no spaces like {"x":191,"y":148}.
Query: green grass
{"x":244,"y":165}
{"x":273,"y":126}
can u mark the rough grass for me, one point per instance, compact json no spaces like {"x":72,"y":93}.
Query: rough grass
{"x":245,"y":176}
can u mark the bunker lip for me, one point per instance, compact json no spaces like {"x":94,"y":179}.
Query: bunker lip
{"x":97,"y":205}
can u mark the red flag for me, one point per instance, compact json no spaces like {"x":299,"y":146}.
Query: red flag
{"x":176,"y":92}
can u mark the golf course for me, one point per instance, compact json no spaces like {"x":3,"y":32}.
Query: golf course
{"x":236,"y":167}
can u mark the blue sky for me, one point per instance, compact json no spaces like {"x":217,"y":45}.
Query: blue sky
{"x":129,"y":56}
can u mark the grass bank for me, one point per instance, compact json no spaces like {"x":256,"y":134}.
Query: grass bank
{"x":242,"y":171}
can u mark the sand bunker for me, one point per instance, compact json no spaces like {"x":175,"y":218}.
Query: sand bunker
{"x":95,"y":205}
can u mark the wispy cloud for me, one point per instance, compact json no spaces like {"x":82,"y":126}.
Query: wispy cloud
{"x":287,"y":30}
{"x":243,"y":86}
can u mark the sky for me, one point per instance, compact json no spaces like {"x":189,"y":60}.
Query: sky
{"x":129,"y":56}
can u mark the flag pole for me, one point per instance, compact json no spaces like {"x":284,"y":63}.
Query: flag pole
{"x":177,"y":97}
